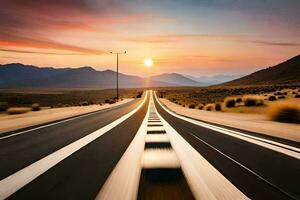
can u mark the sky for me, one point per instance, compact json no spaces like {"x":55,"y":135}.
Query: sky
{"x":195,"y":37}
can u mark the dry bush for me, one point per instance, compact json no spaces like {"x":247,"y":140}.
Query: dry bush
{"x":35,"y":107}
{"x":281,"y":97}
{"x":59,"y":105}
{"x":17,"y":110}
{"x":239,"y":100}
{"x":84,"y":103}
{"x":297,"y":96}
{"x":278,"y":93}
{"x":139,"y":95}
{"x":3,"y":106}
{"x":112,"y":101}
{"x":106,"y":101}
{"x":285,"y":112}
{"x":253,"y":101}
{"x":200,"y":106}
{"x":272,"y":98}
{"x":209,"y":107}
{"x":218,"y":106}
{"x":229,"y":102}
{"x":192,"y":106}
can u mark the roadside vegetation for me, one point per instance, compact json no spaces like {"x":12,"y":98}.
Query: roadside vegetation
{"x":22,"y":101}
{"x":285,"y":111}
{"x":261,"y":100}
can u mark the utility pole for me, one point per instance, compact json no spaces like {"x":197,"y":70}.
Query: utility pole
{"x":117,"y":53}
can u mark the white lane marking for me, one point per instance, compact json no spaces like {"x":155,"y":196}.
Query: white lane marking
{"x":123,"y":182}
{"x":157,"y":138}
{"x":275,"y":146}
{"x":61,"y":121}
{"x":241,"y":165}
{"x":160,"y":158}
{"x":16,"y":181}
{"x":205,"y":181}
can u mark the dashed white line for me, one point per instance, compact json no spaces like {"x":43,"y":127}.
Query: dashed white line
{"x":16,"y":181}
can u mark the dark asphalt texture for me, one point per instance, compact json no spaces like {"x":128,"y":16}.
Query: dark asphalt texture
{"x":92,"y":163}
{"x":81,"y":175}
{"x":281,"y":170}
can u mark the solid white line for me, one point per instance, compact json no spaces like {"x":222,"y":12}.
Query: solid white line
{"x":205,"y":181}
{"x":275,"y":146}
{"x":123,"y":182}
{"x":16,"y":181}
{"x":59,"y":122}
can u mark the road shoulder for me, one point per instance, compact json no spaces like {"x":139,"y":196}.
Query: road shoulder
{"x":16,"y":122}
{"x":250,"y":122}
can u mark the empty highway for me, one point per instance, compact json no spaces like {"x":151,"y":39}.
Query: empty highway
{"x":142,"y":150}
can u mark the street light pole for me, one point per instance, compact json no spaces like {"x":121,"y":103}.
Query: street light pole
{"x":117,"y":53}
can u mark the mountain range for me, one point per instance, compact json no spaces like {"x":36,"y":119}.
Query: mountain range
{"x":19,"y":75}
{"x":214,"y":79}
{"x":28,"y":76}
{"x":287,"y":72}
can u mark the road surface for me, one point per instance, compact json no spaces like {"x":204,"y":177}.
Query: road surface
{"x":143,"y":150}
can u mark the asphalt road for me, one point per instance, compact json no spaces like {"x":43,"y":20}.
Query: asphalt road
{"x":81,"y":175}
{"x":282,"y":172}
{"x":258,"y":172}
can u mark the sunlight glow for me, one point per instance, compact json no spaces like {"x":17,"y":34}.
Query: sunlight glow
{"x":148,"y":62}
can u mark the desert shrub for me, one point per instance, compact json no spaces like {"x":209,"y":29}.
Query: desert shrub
{"x":106,"y":101}
{"x":192,"y":106}
{"x":293,"y":92}
{"x":272,"y":98}
{"x":285,"y":93}
{"x":183,"y":105}
{"x":297,"y":96}
{"x":278,"y":93}
{"x":252,"y":101}
{"x":229,"y":102}
{"x":200,"y":106}
{"x":3,"y":106}
{"x":285,"y":112}
{"x":17,"y":110}
{"x":100,"y":104}
{"x":281,"y":97}
{"x":84,"y":103}
{"x":35,"y":107}
{"x":238,"y":100}
{"x":218,"y":107}
{"x":209,"y":107}
{"x":59,"y":105}
{"x":140,"y":95}
{"x":112,"y":101}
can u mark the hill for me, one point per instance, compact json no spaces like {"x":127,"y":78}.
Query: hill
{"x":176,"y":79}
{"x":19,"y":75}
{"x":214,"y":79}
{"x":287,"y":72}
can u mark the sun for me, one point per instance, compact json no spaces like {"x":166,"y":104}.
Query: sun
{"x":148,"y":62}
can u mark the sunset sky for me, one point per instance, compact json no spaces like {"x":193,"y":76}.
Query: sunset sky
{"x":200,"y":37}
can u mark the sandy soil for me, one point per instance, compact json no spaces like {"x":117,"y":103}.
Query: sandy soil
{"x":251,"y":122}
{"x":14,"y":122}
